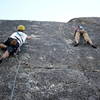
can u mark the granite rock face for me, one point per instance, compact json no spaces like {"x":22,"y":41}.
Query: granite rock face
{"x":50,"y":67}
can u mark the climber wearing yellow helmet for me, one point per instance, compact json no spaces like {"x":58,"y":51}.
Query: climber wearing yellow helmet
{"x":14,"y":42}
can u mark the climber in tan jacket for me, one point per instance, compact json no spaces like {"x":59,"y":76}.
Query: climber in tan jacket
{"x":80,"y":31}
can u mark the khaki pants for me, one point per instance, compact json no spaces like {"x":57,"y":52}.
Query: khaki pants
{"x":85,"y":36}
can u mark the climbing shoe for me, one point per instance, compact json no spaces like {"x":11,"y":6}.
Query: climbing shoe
{"x":1,"y":61}
{"x":76,"y":44}
{"x":94,"y":46}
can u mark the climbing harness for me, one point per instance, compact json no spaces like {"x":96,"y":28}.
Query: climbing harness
{"x":21,"y":41}
{"x":14,"y":83}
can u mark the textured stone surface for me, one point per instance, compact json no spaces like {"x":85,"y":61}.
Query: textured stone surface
{"x":51,"y":68}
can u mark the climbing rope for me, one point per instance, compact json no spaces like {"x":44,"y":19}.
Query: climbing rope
{"x":14,"y":83}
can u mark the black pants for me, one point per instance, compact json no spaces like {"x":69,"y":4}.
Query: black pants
{"x":11,"y":48}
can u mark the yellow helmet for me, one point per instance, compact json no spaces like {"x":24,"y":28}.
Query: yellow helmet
{"x":21,"y":28}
